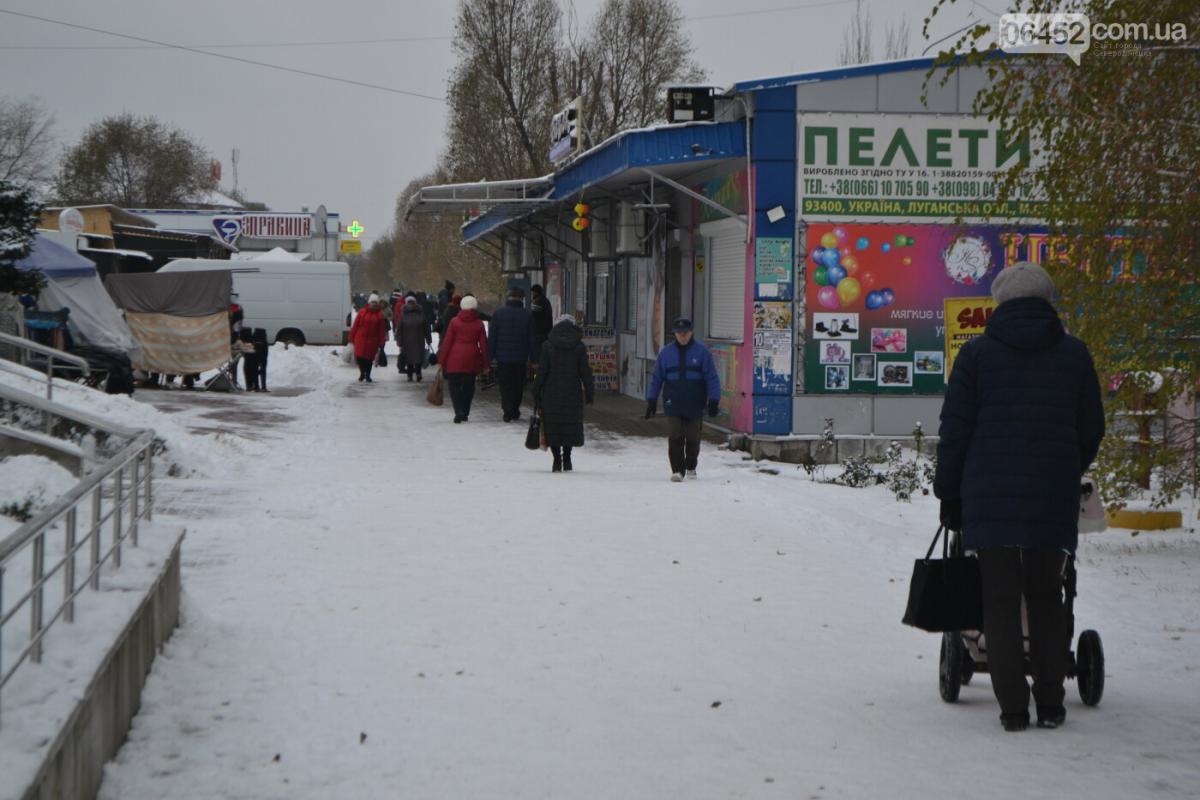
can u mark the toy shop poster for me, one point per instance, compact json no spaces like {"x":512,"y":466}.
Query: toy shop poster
{"x":875,"y":297}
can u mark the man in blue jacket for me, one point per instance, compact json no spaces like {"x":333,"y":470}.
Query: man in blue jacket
{"x":687,"y":378}
{"x":1021,"y":422}
{"x":509,"y":339}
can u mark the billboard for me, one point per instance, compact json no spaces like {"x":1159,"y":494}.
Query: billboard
{"x":875,"y":299}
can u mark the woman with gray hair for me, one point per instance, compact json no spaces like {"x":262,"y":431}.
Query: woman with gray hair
{"x":564,"y":384}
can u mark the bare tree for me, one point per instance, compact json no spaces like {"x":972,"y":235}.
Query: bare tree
{"x":26,"y":143}
{"x":856,"y":39}
{"x":633,"y":51}
{"x":897,"y":39}
{"x":512,"y":47}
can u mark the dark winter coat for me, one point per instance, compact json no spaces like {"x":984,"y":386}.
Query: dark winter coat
{"x":464,"y":348}
{"x":685,"y":392}
{"x":1021,"y":422}
{"x":444,"y":318}
{"x":510,"y":334}
{"x":564,"y":383}
{"x":368,"y":333}
{"x":412,"y":334}
{"x":543,"y":322}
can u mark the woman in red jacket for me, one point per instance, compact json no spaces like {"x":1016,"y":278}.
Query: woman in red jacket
{"x":367,"y":334}
{"x":463,"y":354}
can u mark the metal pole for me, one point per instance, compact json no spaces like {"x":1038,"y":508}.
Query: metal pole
{"x":49,"y":393}
{"x":35,"y":602}
{"x":149,"y":482}
{"x":134,"y":495}
{"x":69,"y":568}
{"x":118,"y":502}
{"x":1,"y":636}
{"x":95,"y":534}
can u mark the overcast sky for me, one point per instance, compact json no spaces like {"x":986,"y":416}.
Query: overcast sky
{"x":304,"y":141}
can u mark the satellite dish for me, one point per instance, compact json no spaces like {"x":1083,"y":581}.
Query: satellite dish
{"x":320,"y":217}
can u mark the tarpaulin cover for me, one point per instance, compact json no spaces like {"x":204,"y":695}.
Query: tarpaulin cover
{"x":94,"y":319}
{"x":178,"y":345}
{"x":179,"y":294}
{"x":55,"y":261}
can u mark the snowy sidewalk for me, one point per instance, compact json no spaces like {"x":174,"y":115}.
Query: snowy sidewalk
{"x":380,"y":603}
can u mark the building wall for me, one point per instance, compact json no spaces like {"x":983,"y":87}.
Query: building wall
{"x":779,"y":411}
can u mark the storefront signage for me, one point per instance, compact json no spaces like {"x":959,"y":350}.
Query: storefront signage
{"x":564,"y":131}
{"x":350,"y":246}
{"x":228,"y":229}
{"x":601,"y":344}
{"x":885,"y":166}
{"x":277,"y":226}
{"x":966,"y":318}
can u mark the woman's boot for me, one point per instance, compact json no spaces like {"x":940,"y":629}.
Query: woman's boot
{"x":557,"y":466}
{"x":566,"y":459}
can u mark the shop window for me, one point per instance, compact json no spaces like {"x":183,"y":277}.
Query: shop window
{"x":726,"y":268}
{"x":599,"y":292}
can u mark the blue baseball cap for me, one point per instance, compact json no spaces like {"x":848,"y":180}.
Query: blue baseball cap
{"x":680,"y":325}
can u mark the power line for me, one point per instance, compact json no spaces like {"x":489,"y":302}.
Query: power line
{"x":334,"y":42}
{"x":224,"y":56}
{"x":779,"y":9}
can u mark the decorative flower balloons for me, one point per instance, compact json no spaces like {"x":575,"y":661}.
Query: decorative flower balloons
{"x":828,"y":297}
{"x":850,"y":264}
{"x":821,"y":276}
{"x":829,"y":240}
{"x":885,"y":247}
{"x":840,"y":234}
{"x":835,"y":273}
{"x":831,"y":257}
{"x":863,"y":243}
{"x":817,"y":255}
{"x":874,"y":300}
{"x":867,"y":279}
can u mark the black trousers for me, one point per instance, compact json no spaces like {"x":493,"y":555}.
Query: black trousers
{"x":462,"y":392}
{"x":1010,"y":573}
{"x":410,"y":369}
{"x":511,"y":378}
{"x":364,"y":366}
{"x":683,"y":442}
{"x":262,"y":366}
{"x":250,"y":371}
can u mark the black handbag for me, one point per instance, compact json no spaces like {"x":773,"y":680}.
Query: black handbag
{"x":534,"y":437}
{"x":945,"y":594}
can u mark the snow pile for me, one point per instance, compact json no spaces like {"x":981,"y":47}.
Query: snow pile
{"x":28,"y":486}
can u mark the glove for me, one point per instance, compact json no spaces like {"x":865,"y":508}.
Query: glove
{"x":651,"y":408}
{"x":951,"y":514}
{"x":713,"y":408}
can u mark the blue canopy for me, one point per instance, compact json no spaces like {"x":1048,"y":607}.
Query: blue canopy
{"x":55,"y":260}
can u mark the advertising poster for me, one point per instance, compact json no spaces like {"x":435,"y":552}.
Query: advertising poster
{"x":773,"y":347}
{"x":725,"y":361}
{"x":773,"y":267}
{"x":883,"y":290}
{"x":966,"y":318}
{"x":601,"y":344}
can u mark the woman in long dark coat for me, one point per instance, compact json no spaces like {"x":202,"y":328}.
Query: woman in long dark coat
{"x":564,"y":383}
{"x":412,"y":334}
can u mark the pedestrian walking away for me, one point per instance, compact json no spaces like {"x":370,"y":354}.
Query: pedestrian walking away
{"x":463,"y":354}
{"x":543,"y":320}
{"x":413,"y":334}
{"x":687,"y":379}
{"x":449,"y":313}
{"x":1021,"y":422}
{"x":262,"y":350}
{"x":564,"y":384}
{"x":367,"y":334}
{"x":509,"y":342}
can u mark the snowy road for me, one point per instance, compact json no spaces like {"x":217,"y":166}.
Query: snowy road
{"x":379,"y":603}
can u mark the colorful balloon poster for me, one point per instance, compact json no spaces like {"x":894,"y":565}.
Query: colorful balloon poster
{"x":892,"y":279}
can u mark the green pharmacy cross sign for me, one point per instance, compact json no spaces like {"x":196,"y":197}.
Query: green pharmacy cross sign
{"x":355,"y":229}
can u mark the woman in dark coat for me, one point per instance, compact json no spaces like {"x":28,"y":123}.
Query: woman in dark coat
{"x":1021,"y":422}
{"x":564,"y":383}
{"x":412,"y":334}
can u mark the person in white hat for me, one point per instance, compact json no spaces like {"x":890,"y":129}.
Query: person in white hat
{"x":367,"y":334}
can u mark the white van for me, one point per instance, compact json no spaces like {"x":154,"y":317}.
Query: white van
{"x":302,"y":302}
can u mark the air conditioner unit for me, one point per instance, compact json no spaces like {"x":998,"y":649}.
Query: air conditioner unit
{"x":631,"y":230}
{"x":531,"y":253}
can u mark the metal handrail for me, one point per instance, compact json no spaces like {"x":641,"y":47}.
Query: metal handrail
{"x":126,"y":481}
{"x":51,"y":354}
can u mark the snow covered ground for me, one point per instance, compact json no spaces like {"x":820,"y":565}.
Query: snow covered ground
{"x":380,"y":603}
